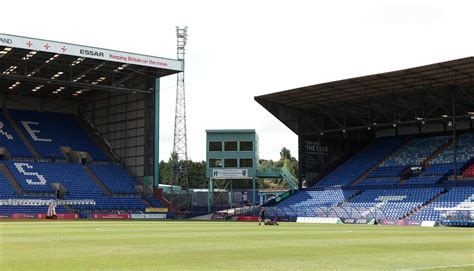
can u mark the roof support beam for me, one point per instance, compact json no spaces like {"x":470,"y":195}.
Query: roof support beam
{"x":378,"y":90}
{"x":470,"y":98}
{"x":69,"y":83}
{"x":73,"y":77}
{"x":18,"y":101}
{"x":330,"y":117}
{"x":52,"y":109}
{"x":364,"y":108}
{"x":305,"y":116}
{"x":123,"y":80}
{"x":436,"y":101}
{"x":413,"y":87}
{"x":402,"y":123}
{"x":405,"y":97}
{"x":457,"y":71}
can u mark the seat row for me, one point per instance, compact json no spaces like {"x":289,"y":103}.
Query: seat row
{"x":46,"y":132}
{"x":36,"y":178}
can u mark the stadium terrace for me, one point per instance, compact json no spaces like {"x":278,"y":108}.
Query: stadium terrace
{"x":80,"y":127}
{"x":397,"y":145}
{"x":69,"y":115}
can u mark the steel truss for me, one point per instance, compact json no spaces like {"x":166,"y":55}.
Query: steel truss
{"x":412,"y":97}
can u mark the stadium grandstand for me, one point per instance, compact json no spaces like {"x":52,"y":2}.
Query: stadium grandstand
{"x":81,"y":125}
{"x":395,"y":146}
{"x":78,"y":124}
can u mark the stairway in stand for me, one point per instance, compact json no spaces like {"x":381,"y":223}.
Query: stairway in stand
{"x":425,"y":204}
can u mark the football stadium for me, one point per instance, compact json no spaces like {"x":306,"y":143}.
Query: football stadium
{"x":385,"y":177}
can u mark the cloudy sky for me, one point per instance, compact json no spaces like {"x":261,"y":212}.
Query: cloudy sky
{"x":240,"y":49}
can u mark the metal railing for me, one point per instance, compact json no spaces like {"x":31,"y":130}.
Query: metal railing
{"x":289,"y":178}
{"x":330,"y":211}
{"x":279,"y":173}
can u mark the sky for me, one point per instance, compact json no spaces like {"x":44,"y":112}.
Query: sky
{"x":237,"y":50}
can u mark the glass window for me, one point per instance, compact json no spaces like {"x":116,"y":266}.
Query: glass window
{"x":230,"y":162}
{"x":246,"y":146}
{"x":246,"y":162}
{"x":230,"y":146}
{"x":215,"y":146}
{"x":215,"y":163}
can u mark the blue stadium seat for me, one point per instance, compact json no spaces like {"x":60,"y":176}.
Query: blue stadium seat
{"x":6,"y":190}
{"x":416,"y":152}
{"x":453,"y":198}
{"x":10,"y":140}
{"x":361,"y":162}
{"x":115,"y":178}
{"x":424,"y":179}
{"x":464,"y":151}
{"x":388,"y":171}
{"x":47,"y":132}
{"x":305,"y":203}
{"x":36,"y":177}
{"x":386,"y":203}
{"x":393,"y":203}
{"x":379,"y":181}
{"x":155,"y":202}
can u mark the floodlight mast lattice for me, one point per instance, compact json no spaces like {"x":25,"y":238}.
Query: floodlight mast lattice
{"x":180,"y":151}
{"x":180,"y":137}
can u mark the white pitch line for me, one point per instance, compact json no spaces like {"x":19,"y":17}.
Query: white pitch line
{"x":435,"y":267}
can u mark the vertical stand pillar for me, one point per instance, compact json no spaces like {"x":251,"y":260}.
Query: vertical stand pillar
{"x":455,"y":162}
{"x":230,"y":194}
{"x":209,"y":195}
{"x":254,"y":191}
{"x":156,"y":135}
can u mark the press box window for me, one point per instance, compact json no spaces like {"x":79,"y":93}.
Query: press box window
{"x":246,"y":146}
{"x":230,"y":162}
{"x":246,"y":163}
{"x":215,"y":163}
{"x":215,"y":146}
{"x":230,"y":146}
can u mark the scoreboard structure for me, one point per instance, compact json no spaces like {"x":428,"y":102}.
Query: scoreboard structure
{"x":231,"y":155}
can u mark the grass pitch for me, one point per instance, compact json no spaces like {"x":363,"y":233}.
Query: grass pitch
{"x":150,"y":245}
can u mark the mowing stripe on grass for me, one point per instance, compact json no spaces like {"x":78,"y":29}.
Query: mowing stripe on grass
{"x":176,"y":245}
{"x":437,"y":267}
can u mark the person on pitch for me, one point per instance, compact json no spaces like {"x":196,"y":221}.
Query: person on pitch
{"x":262,"y":216}
{"x":52,"y":210}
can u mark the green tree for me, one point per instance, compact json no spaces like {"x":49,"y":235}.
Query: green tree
{"x":196,"y":172}
{"x":286,"y":160}
{"x":285,"y":154}
{"x":166,"y":173}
